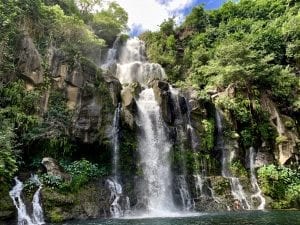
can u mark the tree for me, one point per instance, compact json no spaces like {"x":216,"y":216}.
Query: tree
{"x":108,"y":23}
{"x":197,"y":20}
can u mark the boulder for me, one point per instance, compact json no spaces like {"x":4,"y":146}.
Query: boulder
{"x":54,"y":169}
{"x":90,"y":202}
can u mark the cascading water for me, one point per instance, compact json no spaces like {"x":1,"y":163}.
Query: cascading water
{"x":153,"y":144}
{"x":113,"y":183}
{"x":23,"y":217}
{"x":111,"y":57}
{"x":185,"y":195}
{"x":115,"y":195}
{"x":37,"y":211}
{"x":254,"y":183}
{"x":227,"y":156}
{"x":198,"y":185}
{"x":115,"y":142}
{"x":15,"y":194}
{"x":154,"y":148}
{"x":133,"y":66}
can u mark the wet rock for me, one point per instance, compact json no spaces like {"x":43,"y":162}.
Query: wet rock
{"x":88,"y":120}
{"x":163,"y":85}
{"x":115,"y":88}
{"x":287,"y":139}
{"x":30,"y":61}
{"x":164,"y":99}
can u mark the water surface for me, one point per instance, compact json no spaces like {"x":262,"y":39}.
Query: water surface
{"x":228,"y":218}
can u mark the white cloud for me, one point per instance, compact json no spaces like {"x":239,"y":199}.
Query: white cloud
{"x":149,"y":14}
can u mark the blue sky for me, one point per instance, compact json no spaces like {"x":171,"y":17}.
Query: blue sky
{"x":149,"y":14}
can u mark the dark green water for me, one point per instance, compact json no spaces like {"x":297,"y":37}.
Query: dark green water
{"x":230,"y":218}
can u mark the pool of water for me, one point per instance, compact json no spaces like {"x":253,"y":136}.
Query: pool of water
{"x":227,"y":218}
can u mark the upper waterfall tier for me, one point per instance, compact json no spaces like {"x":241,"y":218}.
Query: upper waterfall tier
{"x":133,"y":67}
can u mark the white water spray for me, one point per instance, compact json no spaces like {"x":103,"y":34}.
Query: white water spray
{"x":37,"y":213}
{"x":254,"y":183}
{"x":154,"y":149}
{"x":115,"y":194}
{"x":15,"y":194}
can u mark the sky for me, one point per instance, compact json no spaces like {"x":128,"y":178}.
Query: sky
{"x":149,"y":14}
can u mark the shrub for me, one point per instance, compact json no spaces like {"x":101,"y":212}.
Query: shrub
{"x":280,"y":183}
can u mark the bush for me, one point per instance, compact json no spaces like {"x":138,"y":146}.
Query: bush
{"x":8,"y":164}
{"x":82,"y":172}
{"x":280,"y":183}
{"x":51,"y":181}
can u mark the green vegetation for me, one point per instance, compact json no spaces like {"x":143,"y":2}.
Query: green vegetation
{"x":237,"y":169}
{"x":207,"y":140}
{"x":244,"y":51}
{"x":282,"y":184}
{"x":81,"y":172}
{"x":78,"y":31}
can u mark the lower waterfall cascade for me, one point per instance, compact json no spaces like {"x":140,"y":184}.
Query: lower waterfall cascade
{"x":154,"y":149}
{"x":37,"y":217}
{"x":254,"y":183}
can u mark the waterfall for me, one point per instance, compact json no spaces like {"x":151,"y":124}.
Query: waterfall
{"x":115,"y":142}
{"x":113,"y":183}
{"x":15,"y":194}
{"x":198,"y":185}
{"x":154,"y":148}
{"x":133,"y":66}
{"x":186,"y":199}
{"x":23,"y":217}
{"x":227,"y":156}
{"x":37,"y":211}
{"x":254,"y":183}
{"x":153,"y":142}
{"x":111,"y":57}
{"x":115,"y":194}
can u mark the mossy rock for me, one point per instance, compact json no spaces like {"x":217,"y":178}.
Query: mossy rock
{"x":89,"y":202}
{"x":7,"y":209}
{"x":55,"y":215}
{"x":221,"y":185}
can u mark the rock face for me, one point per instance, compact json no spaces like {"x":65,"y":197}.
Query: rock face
{"x":54,"y":169}
{"x":30,"y":61}
{"x":90,"y":202}
{"x":287,"y":138}
{"x":90,"y":95}
{"x":164,"y":99}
